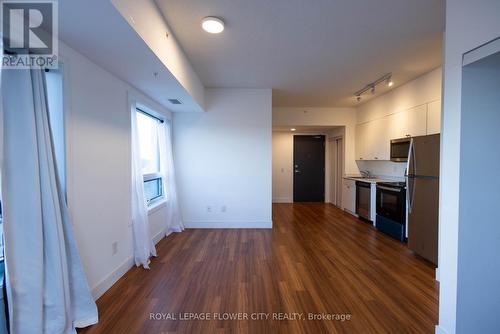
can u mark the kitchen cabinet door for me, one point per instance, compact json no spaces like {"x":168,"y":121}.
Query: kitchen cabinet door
{"x":349,"y":195}
{"x":434,"y":117}
{"x":397,"y":125}
{"x":379,"y":147}
{"x":417,"y":121}
{"x":362,"y":140}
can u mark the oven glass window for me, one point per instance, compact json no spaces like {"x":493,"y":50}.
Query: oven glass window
{"x":389,"y":202}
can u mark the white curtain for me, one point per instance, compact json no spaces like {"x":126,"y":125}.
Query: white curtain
{"x":47,"y":288}
{"x":3,"y":318}
{"x":174,"y":220}
{"x":144,"y":246}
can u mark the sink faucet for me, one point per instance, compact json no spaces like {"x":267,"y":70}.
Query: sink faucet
{"x":365,"y":174}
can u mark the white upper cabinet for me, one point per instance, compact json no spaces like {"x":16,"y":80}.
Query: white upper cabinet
{"x":380,"y":142}
{"x":398,"y":124}
{"x":372,"y":141}
{"x":373,"y":137}
{"x":362,"y":135}
{"x":417,"y":121}
{"x":434,"y":118}
{"x":408,"y":123}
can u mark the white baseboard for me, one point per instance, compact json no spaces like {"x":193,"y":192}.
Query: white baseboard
{"x":440,"y":330}
{"x":228,"y":224}
{"x":107,"y":282}
{"x":350,"y":212}
{"x":160,"y":235}
{"x":283,"y":200}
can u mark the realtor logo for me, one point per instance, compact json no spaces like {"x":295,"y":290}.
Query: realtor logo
{"x":29,"y":32}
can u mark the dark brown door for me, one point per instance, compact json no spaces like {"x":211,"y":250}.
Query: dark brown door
{"x":309,"y":168}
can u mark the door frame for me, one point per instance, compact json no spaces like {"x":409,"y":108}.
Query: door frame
{"x":334,"y":189}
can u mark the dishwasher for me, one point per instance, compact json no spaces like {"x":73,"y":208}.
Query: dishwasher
{"x":363,"y":200}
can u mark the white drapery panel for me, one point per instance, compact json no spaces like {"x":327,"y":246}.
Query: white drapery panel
{"x":174,"y":220}
{"x":144,"y":246}
{"x":47,"y":288}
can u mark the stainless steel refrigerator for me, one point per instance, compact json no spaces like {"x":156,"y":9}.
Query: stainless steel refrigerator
{"x":422,"y":186}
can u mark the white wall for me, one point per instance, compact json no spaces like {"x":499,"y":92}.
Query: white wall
{"x":145,"y":18}
{"x":322,"y":117}
{"x":469,"y":24}
{"x":478,"y":298}
{"x":98,"y":167}
{"x":422,"y":90}
{"x":223,"y":159}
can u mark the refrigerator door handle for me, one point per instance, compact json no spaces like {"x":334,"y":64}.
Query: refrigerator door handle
{"x":412,"y":194}
{"x":407,"y":193}
{"x":409,"y":160}
{"x":413,"y":157}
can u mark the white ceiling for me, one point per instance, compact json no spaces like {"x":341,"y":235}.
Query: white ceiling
{"x":98,"y":31}
{"x":306,"y":129}
{"x":313,"y":53}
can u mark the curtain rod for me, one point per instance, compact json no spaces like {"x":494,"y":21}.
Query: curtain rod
{"x":148,"y":114}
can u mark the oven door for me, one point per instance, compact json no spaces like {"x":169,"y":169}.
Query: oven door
{"x":391,"y":203}
{"x":400,"y":149}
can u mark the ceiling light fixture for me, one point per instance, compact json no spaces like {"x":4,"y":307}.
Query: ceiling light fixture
{"x":212,"y":24}
{"x":387,"y":78}
{"x":293,"y":129}
{"x":371,"y":86}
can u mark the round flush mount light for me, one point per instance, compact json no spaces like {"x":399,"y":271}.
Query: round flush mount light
{"x":212,"y":24}
{"x":293,"y":129}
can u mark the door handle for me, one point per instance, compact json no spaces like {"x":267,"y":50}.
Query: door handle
{"x":410,"y":190}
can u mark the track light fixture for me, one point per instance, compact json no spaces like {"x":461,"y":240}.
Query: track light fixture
{"x":371,"y":86}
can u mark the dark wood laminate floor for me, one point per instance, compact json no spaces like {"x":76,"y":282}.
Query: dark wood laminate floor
{"x":316,"y":259}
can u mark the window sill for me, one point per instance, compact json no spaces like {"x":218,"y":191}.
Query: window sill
{"x":157,"y":205}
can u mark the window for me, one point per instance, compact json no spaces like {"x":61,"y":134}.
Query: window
{"x":148,"y":130}
{"x":55,"y":102}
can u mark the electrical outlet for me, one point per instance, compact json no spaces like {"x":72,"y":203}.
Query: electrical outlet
{"x":209,"y":208}
{"x":223,"y":208}
{"x":114,"y":247}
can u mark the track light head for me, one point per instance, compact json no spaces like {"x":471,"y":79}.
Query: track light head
{"x":389,"y":82}
{"x":358,"y":98}
{"x":372,"y":90}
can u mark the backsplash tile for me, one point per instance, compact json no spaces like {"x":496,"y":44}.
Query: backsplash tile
{"x":386,"y":169}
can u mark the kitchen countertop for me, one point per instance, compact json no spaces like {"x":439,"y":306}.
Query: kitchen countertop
{"x":374,"y":179}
